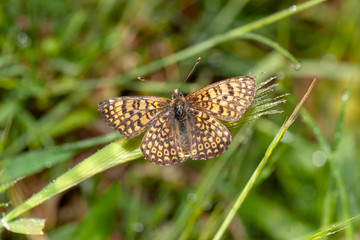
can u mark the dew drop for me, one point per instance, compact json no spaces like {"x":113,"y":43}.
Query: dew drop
{"x":297,"y":66}
{"x":216,"y":59}
{"x":23,"y":40}
{"x":191,"y":197}
{"x":319,"y":158}
{"x":328,"y":61}
{"x":5,"y":205}
{"x":207,"y":206}
{"x":345,"y":96}
{"x":138,"y":227}
{"x":280,"y":75}
{"x":293,"y":8}
{"x":48,"y":164}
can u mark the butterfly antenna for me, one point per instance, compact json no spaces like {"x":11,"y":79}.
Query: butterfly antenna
{"x":196,"y":63}
{"x":145,"y":80}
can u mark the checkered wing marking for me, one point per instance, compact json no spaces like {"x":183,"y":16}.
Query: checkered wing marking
{"x":132,"y":115}
{"x":208,"y":137}
{"x":227,"y":99}
{"x":162,"y":142}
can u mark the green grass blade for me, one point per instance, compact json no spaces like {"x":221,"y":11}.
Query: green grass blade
{"x":335,"y":167}
{"x":274,"y":45}
{"x":260,"y":167}
{"x":316,"y":131}
{"x":213,"y":41}
{"x":29,"y":163}
{"x":331,"y":152}
{"x":226,"y":16}
{"x":340,"y":121}
{"x":18,"y":167}
{"x":333,"y":229}
{"x":116,"y":153}
{"x":29,"y":226}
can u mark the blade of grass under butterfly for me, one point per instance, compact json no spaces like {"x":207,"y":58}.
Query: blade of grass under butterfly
{"x":262,"y":164}
{"x":116,"y":153}
{"x":213,"y":41}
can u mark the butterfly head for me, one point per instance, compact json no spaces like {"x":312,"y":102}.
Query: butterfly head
{"x":176,"y":94}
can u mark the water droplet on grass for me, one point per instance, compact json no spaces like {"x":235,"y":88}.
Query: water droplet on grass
{"x":345,"y":96}
{"x":138,"y":227}
{"x":297,"y":66}
{"x":48,"y":164}
{"x":319,"y":158}
{"x":293,"y":8}
{"x":207,"y":206}
{"x":23,"y":40}
{"x":191,"y":197}
{"x":328,"y":61}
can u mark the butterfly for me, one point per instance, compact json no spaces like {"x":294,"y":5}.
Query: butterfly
{"x":184,"y":126}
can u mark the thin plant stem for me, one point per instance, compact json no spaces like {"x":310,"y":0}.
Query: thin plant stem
{"x":213,"y":41}
{"x":262,"y":164}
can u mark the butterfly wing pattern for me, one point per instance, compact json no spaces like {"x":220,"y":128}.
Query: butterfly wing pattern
{"x":182,"y":127}
{"x":226,"y":99}
{"x":208,"y":137}
{"x":131,"y":115}
{"x":162,"y":143}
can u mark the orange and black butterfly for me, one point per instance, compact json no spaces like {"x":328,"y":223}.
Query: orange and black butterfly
{"x":184,"y":126}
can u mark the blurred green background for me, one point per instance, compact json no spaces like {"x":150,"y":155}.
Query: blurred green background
{"x":60,"y":58}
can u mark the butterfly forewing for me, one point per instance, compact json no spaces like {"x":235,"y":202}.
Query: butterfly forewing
{"x":132,"y":115}
{"x":208,"y":137}
{"x":227,"y":99}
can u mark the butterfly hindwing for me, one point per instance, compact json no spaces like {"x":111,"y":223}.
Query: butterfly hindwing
{"x":207,"y":136}
{"x":162,"y":142}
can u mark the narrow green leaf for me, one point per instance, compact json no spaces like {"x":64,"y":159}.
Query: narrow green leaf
{"x":262,"y":164}
{"x":332,"y":229}
{"x":116,"y":153}
{"x":32,"y":162}
{"x":29,"y":163}
{"x":29,"y":226}
{"x":196,"y":49}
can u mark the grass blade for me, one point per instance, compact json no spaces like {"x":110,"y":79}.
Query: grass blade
{"x":262,"y":164}
{"x":116,"y":153}
{"x":213,"y":41}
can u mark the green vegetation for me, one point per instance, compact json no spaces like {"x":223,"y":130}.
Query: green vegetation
{"x":280,"y":178}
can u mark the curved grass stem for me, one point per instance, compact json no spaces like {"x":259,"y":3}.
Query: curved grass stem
{"x":240,"y":199}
